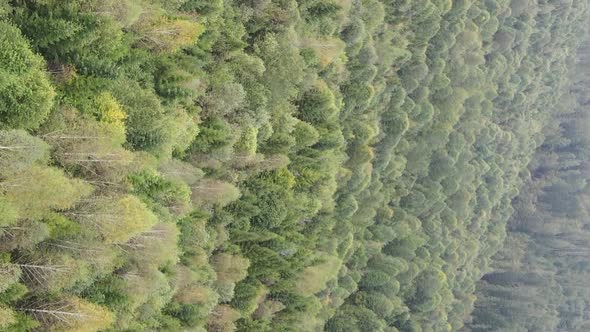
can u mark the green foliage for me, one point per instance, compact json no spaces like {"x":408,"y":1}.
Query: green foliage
{"x":23,"y":323}
{"x":117,"y":219}
{"x":10,"y":275}
{"x":29,"y":193}
{"x":293,"y":165}
{"x":305,"y":134}
{"x":544,"y":236}
{"x":26,"y":96}
{"x":8,"y":212}
{"x":213,"y":192}
{"x":147,"y":127}
{"x":214,"y":134}
{"x":247,"y":142}
{"x":19,"y":150}
{"x":317,"y":105}
{"x":160,"y":33}
{"x":7,"y":317}
{"x":247,"y":297}
{"x":314,"y":278}
{"x":5,"y":8}
{"x":159,"y":192}
{"x":229,"y":268}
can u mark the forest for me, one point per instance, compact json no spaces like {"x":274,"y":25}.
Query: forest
{"x":294,"y":165}
{"x":538,"y":278}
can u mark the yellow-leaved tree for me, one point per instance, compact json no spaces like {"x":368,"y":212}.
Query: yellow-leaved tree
{"x":7,"y":317}
{"x":163,"y":34}
{"x":117,"y":219}
{"x":109,"y":110}
{"x":39,"y":190}
{"x":70,"y":314}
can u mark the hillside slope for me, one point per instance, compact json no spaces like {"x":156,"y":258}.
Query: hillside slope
{"x":268,"y":165}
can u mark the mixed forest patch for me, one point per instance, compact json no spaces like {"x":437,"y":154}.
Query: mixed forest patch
{"x":293,"y":165}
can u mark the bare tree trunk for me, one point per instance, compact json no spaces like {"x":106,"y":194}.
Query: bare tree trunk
{"x":39,"y":273}
{"x":57,"y":315}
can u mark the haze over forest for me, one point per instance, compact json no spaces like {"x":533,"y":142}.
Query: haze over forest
{"x":295,"y":165}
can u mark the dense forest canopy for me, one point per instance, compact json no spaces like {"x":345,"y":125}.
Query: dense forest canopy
{"x":294,"y":165}
{"x":539,"y":277}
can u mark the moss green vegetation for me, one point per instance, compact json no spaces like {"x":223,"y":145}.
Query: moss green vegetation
{"x":293,"y":165}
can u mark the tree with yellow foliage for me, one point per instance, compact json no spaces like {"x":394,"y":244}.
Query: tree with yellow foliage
{"x":108,"y":110}
{"x":117,"y":219}
{"x":163,"y":34}
{"x":89,"y":148}
{"x":70,"y":314}
{"x":38,"y":190}
{"x":7,"y":317}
